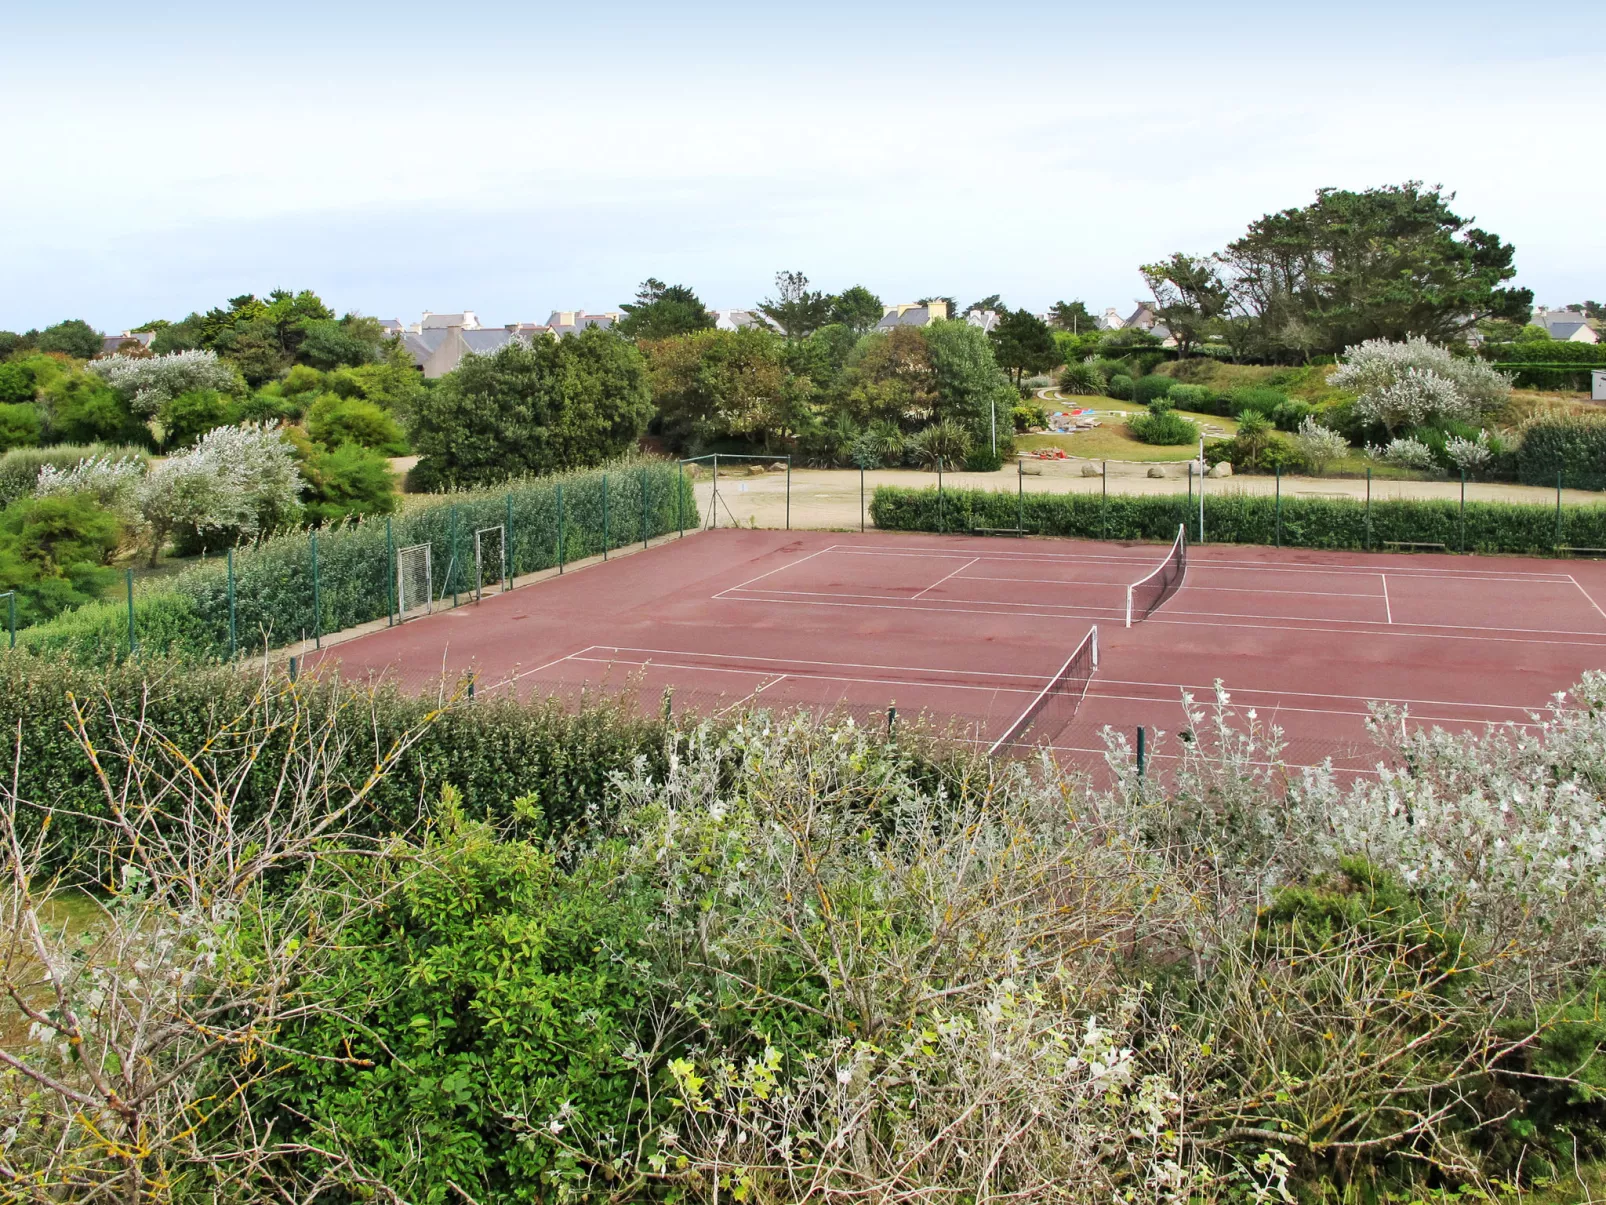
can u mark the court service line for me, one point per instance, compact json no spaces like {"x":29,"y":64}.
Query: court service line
{"x":759,"y":673}
{"x":1269,"y":712}
{"x":945,"y":577}
{"x":906,"y":669}
{"x":1586,"y":594}
{"x":1124,"y":582}
{"x":1387,"y":610}
{"x":1234,"y":692}
{"x":1156,"y":618}
{"x":788,"y":565}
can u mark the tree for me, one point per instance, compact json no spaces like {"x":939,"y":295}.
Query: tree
{"x":1071,"y":316}
{"x":147,"y":383}
{"x":327,"y":344}
{"x":10,"y":343}
{"x":890,"y":378}
{"x":1389,"y":263}
{"x":74,"y":337}
{"x":1404,"y":384}
{"x":333,"y":420}
{"x":798,"y":311}
{"x":857,"y":308}
{"x":1190,"y":296}
{"x":187,"y":417}
{"x":53,"y":553}
{"x":661,"y":311}
{"x":971,"y":389}
{"x":991,"y":302}
{"x":720,"y":384}
{"x":1022,"y":343}
{"x":530,"y":408}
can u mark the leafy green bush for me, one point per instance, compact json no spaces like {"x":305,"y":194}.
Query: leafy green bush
{"x":1081,"y":379}
{"x":274,"y":597}
{"x":53,"y":553}
{"x":349,"y":482}
{"x":19,"y":468}
{"x":20,"y":425}
{"x":1196,"y":398}
{"x":1288,"y":415}
{"x":1147,"y":389}
{"x":1027,"y":415}
{"x":1571,"y":446}
{"x":1163,"y":425}
{"x":946,"y":442}
{"x":983,"y":460}
{"x":1120,"y":386}
{"x":1258,"y":398}
{"x":16,"y":384}
{"x":1234,"y":518}
{"x":188,"y":416}
{"x":334,"y":420}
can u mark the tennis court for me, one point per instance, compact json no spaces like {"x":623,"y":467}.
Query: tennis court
{"x":974,"y":632}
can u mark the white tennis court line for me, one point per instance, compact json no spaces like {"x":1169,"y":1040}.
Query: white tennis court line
{"x":814,"y":677}
{"x":1123,"y":583}
{"x":1587,"y":595}
{"x":1387,"y":610}
{"x":1207,"y":693}
{"x":906,"y":669}
{"x":944,"y":578}
{"x":1374,"y":628}
{"x":779,"y":568}
{"x":1270,"y":711}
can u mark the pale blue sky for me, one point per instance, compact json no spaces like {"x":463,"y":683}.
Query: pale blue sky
{"x":514,"y":159}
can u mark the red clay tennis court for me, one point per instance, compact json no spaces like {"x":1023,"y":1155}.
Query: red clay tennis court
{"x":970,"y":630}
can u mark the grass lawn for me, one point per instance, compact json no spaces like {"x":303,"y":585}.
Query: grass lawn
{"x":1112,"y":440}
{"x":71,"y":911}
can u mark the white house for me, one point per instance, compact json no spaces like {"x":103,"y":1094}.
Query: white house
{"x":1566,"y":326}
{"x":912,"y":314}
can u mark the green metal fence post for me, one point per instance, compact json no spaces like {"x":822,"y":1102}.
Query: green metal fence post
{"x":560,"y":529}
{"x":11,"y":616}
{"x":644,"y":527}
{"x":451,"y":559}
{"x":1279,"y":506}
{"x":788,"y":493}
{"x":861,"y":497}
{"x":507,"y":541}
{"x":941,"y":523}
{"x":892,"y":720}
{"x":1368,"y":537}
{"x":1020,"y":495}
{"x":1104,"y":499}
{"x":133,"y":640}
{"x":317,"y":598}
{"x":713,"y":502}
{"x":1142,"y":741}
{"x":605,"y":516}
{"x":1558,"y":510}
{"x":233,"y":643}
{"x":1189,"y":514}
{"x":390,"y":574}
{"x":1463,"y":510}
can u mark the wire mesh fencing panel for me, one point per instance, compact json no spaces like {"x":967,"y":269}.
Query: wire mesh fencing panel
{"x":490,"y":560}
{"x":413,"y":581}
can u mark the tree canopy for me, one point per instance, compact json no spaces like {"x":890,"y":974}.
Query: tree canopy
{"x":1022,"y":343}
{"x":661,"y":310}
{"x":857,"y":308}
{"x":74,"y":337}
{"x":1071,"y":316}
{"x":797,"y":309}
{"x":531,"y":408}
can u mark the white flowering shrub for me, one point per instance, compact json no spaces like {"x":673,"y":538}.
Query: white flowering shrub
{"x":1319,"y":446}
{"x":240,"y":479}
{"x":1469,"y":455}
{"x":146,"y":382}
{"x":110,"y":480}
{"x":1403,"y":384}
{"x":1403,"y":453}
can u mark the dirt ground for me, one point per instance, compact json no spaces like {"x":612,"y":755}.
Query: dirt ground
{"x":830,"y":498}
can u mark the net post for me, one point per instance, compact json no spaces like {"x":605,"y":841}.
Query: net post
{"x":391,"y":570}
{"x":1129,"y":590}
{"x":1020,"y":493}
{"x":644,"y":506}
{"x":1094,"y":635}
{"x":451,"y":559}
{"x":560,"y":528}
{"x":317,"y":596}
{"x":233,"y":644}
{"x":605,"y":516}
{"x":1141,"y":750}
{"x":1279,"y":506}
{"x":941,"y":522}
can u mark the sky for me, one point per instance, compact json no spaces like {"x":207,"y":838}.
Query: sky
{"x":514,"y":159}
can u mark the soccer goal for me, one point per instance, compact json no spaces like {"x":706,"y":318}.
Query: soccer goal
{"x":413,"y":581}
{"x":490,"y":560}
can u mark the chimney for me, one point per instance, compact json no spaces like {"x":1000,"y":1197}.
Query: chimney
{"x":939,"y":309}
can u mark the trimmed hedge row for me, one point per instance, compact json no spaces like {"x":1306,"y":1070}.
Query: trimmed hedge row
{"x":495,"y":750}
{"x":1549,"y":352}
{"x":1243,"y":518}
{"x":188,"y":615}
{"x":1573,"y":446}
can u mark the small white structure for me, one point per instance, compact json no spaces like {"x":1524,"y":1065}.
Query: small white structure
{"x":1597,"y":385}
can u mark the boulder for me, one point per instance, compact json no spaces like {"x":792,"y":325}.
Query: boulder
{"x":756,"y":470}
{"x":1223,"y":469}
{"x":1156,"y":471}
{"x":1092,"y":470}
{"x":1032,"y":470}
{"x":777,"y":466}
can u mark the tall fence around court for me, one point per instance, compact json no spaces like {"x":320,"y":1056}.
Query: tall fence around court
{"x":304,"y":585}
{"x":1215,"y":511}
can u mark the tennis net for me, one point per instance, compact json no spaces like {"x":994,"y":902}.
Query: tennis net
{"x":1144,"y":598}
{"x":1052,"y":711}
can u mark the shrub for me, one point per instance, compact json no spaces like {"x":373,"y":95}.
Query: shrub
{"x":16,"y":384}
{"x":19,"y":468}
{"x":20,"y":425}
{"x":188,"y":416}
{"x":1241,"y":518}
{"x":1290,"y":414}
{"x":1404,"y":453}
{"x":946,"y":441}
{"x":334,"y":420}
{"x":1469,"y":455}
{"x":147,"y":383}
{"x":235,"y":482}
{"x":1282,"y":456}
{"x":347,"y":482}
{"x":1081,"y":379}
{"x":1027,"y":416}
{"x":53,"y":553}
{"x":109,"y":480}
{"x":1120,"y":386}
{"x":80,"y":408}
{"x":1318,"y":446}
{"x":1147,"y":389}
{"x":1404,"y":384}
{"x":1571,"y":448}
{"x":1191,"y":397}
{"x":1162,"y":425}
{"x":1258,"y":398}
{"x":1254,"y":436}
{"x":983,"y":460}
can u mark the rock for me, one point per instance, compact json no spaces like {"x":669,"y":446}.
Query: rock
{"x":1032,"y":470}
{"x":756,"y":470}
{"x":1223,"y":469}
{"x":1156,"y":471}
{"x":777,"y":466}
{"x":1092,"y":470}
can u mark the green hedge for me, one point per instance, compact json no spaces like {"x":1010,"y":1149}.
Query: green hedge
{"x":494,"y":750}
{"x":1242,"y":518}
{"x":188,"y":614}
{"x":1573,"y":446}
{"x":1509,"y":355}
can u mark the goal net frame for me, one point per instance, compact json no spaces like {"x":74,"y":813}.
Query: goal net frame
{"x":421,"y":594}
{"x":500,"y":565}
